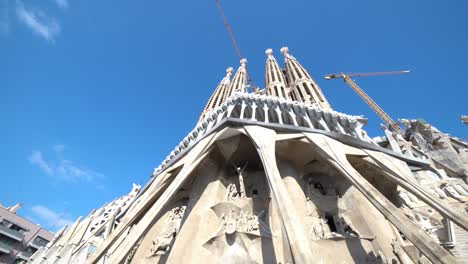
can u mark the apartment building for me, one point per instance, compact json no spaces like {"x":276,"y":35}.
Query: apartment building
{"x":19,"y":237}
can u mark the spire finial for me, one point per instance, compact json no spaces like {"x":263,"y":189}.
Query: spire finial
{"x":269,"y":52}
{"x":285,"y":51}
{"x":243,"y":62}
{"x":227,"y":78}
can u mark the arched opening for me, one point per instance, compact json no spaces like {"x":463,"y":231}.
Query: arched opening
{"x":287,"y":120}
{"x":272,"y":116}
{"x":301,"y":121}
{"x":247,"y":112}
{"x":236,"y":111}
{"x":260,"y":114}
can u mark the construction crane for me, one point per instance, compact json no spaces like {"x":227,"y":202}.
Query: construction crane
{"x":233,"y":40}
{"x":372,"y":104}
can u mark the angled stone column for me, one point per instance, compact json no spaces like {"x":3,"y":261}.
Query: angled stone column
{"x":194,"y":157}
{"x":333,"y":152}
{"x":264,"y":140}
{"x":395,"y":172}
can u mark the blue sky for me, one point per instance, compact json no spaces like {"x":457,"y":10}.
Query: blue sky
{"x":94,"y":94}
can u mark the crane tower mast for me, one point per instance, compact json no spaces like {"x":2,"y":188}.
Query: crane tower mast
{"x":364,"y":96}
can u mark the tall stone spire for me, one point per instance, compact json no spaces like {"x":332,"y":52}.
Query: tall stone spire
{"x":220,"y":94}
{"x":275,"y":82}
{"x":303,"y":87}
{"x":239,"y":82}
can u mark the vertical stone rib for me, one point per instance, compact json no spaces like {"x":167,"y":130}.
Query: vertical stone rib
{"x":305,"y":88}
{"x":265,"y":141}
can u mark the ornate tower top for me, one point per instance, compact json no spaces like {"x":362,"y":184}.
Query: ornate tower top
{"x":275,"y":82}
{"x":285,"y":51}
{"x":227,"y":78}
{"x":303,"y":88}
{"x":239,"y":82}
{"x":220,"y":94}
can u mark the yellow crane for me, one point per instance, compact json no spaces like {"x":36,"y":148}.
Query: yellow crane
{"x":369,"y":101}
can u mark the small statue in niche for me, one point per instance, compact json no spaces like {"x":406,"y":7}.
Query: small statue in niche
{"x":233,"y":193}
{"x":162,"y":244}
{"x":240,"y":171}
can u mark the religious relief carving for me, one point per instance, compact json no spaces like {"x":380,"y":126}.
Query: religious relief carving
{"x":240,"y":221}
{"x":162,"y":244}
{"x":318,"y":225}
{"x":239,"y":227}
{"x":234,"y":219}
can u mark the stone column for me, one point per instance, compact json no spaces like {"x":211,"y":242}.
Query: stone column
{"x":265,"y":141}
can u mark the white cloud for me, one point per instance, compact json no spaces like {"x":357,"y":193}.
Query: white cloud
{"x":41,"y":24}
{"x":49,"y":218}
{"x":61,"y":168}
{"x":61,"y":3}
{"x":37,"y":159}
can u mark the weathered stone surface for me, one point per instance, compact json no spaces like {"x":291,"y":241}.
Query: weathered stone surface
{"x":283,"y":178}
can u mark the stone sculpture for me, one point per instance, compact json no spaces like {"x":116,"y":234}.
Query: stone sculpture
{"x":162,"y":244}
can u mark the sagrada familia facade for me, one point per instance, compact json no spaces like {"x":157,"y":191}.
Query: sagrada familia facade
{"x":278,"y":176}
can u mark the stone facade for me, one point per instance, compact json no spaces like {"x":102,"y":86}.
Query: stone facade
{"x":278,"y":176}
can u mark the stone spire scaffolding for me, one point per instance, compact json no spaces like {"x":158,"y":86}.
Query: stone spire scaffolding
{"x":303,"y":87}
{"x":220,"y":94}
{"x":275,"y":82}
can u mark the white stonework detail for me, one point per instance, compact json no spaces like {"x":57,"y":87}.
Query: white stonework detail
{"x":277,"y":176}
{"x":326,"y":119}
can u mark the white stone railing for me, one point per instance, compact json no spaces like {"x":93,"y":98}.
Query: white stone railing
{"x":270,"y":109}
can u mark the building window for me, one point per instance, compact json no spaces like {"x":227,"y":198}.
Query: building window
{"x":41,"y":241}
{"x":12,"y":226}
{"x":7,"y":240}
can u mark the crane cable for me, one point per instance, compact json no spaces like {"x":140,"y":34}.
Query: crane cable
{"x":233,"y":40}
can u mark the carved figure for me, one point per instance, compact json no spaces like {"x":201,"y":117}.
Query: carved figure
{"x":163,"y":243}
{"x":240,"y":171}
{"x":233,"y":194}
